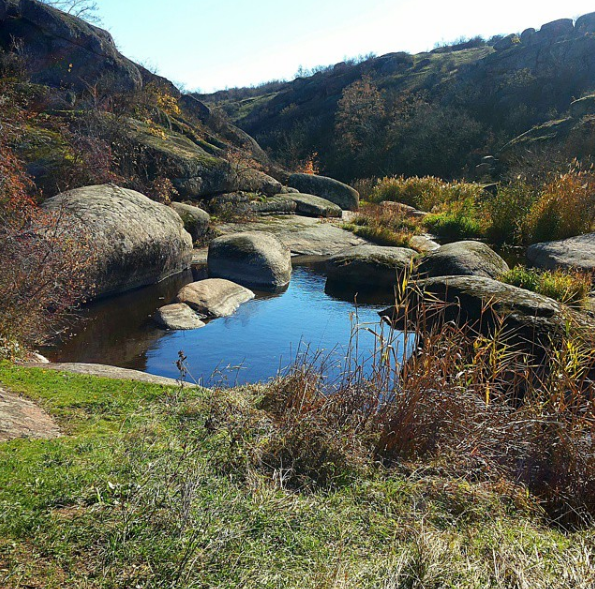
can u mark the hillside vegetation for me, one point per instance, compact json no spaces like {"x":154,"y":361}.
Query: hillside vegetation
{"x":434,"y":113}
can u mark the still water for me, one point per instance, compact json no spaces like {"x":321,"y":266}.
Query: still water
{"x":260,"y":340}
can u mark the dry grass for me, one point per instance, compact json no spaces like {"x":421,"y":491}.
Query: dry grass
{"x":466,"y":404}
{"x":384,"y":225}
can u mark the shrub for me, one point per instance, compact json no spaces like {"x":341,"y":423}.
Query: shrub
{"x":565,"y":207}
{"x":452,"y":226}
{"x":570,"y":287}
{"x":507,"y":212}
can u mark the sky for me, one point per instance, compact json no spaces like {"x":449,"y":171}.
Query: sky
{"x":209,"y":45}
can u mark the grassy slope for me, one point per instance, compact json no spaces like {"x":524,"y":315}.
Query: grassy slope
{"x":155,"y":487}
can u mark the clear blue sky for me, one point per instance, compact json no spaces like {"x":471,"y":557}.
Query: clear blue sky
{"x":214,"y":44}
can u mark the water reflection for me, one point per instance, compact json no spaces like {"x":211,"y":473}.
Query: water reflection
{"x":262,"y":338}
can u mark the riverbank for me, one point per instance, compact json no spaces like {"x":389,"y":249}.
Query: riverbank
{"x":152,"y":485}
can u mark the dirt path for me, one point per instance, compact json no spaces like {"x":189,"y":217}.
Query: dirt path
{"x":21,"y":418}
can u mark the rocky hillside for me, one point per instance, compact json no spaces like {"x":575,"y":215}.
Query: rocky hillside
{"x":432,"y":113}
{"x":81,"y":113}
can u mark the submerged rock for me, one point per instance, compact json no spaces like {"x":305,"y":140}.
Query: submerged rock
{"x":214,"y":297}
{"x":337,"y":192}
{"x":178,"y":316}
{"x":463,"y":258}
{"x":256,"y":259}
{"x":136,"y":240}
{"x":369,"y":265}
{"x":575,"y":252}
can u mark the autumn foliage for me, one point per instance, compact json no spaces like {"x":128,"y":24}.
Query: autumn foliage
{"x":42,"y":255}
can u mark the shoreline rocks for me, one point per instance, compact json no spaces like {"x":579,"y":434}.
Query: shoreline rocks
{"x":572,"y":253}
{"x":177,"y":316}
{"x":369,"y":265}
{"x":214,"y":297}
{"x":257,"y":259}
{"x":462,"y":258}
{"x":137,"y":241}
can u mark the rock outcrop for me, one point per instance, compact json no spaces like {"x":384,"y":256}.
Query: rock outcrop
{"x":575,"y":252}
{"x":337,"y":192}
{"x":255,"y":259}
{"x":177,"y":316}
{"x":136,"y":240}
{"x":214,"y":297}
{"x":463,"y":258}
{"x":371,"y":266}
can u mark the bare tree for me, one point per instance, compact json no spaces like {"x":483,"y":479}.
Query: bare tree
{"x":86,"y":9}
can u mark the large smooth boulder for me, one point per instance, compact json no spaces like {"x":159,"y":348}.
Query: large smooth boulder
{"x":530,"y":320}
{"x":557,"y":28}
{"x":196,"y":221}
{"x":136,"y":241}
{"x":214,"y":297}
{"x":369,"y":265}
{"x":277,"y":205}
{"x":314,"y":206}
{"x":255,"y":259}
{"x":341,"y":194}
{"x":177,"y":316}
{"x":463,"y":258}
{"x":575,"y":252}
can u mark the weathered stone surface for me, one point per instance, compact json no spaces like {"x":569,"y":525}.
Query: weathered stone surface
{"x":530,"y":320}
{"x":20,"y":418}
{"x":137,"y":241}
{"x":63,"y":51}
{"x":277,"y":205}
{"x":194,"y":171}
{"x":314,"y":206}
{"x":575,"y":252}
{"x":423,"y":244}
{"x":214,"y":297}
{"x":113,"y":372}
{"x":177,"y":316}
{"x":196,"y":221}
{"x":306,"y":236}
{"x":369,"y":265}
{"x":341,"y":194}
{"x":463,"y":258}
{"x":256,"y":259}
{"x":557,"y":28}
{"x":289,"y":190}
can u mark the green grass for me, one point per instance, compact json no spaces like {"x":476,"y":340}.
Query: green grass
{"x":567,"y":287}
{"x":157,"y":487}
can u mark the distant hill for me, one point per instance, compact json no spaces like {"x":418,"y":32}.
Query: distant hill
{"x":434,"y":113}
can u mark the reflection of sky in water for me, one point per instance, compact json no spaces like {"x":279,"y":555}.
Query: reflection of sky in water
{"x":262,"y":337}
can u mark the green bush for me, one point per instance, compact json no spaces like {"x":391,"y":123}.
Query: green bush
{"x":453,"y":225}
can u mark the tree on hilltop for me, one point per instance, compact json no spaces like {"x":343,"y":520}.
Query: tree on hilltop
{"x":86,"y":9}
